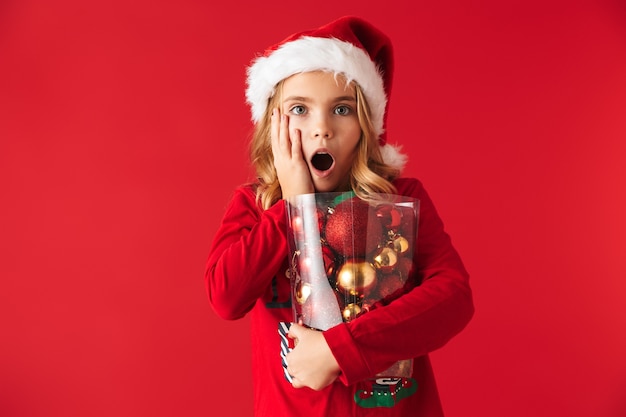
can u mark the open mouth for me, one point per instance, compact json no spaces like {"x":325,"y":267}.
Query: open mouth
{"x":322,"y":161}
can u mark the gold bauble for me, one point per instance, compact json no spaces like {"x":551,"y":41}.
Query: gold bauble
{"x":400,"y":244}
{"x":386,"y":259}
{"x":350,"y":312}
{"x":356,"y":276}
{"x":303,"y":290}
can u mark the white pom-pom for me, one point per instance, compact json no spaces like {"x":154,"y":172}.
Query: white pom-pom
{"x":393,"y":157}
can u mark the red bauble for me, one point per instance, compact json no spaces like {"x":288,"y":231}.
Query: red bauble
{"x":353,"y":230}
{"x":296,"y":225}
{"x":404,"y":267}
{"x":390,"y":216}
{"x":407,"y":228}
{"x":390,"y":285}
{"x":330,"y":261}
{"x":370,"y":303}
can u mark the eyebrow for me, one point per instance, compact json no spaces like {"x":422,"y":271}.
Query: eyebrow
{"x":307,"y":99}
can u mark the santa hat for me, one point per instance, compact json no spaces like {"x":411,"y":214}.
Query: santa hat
{"x":350,"y":46}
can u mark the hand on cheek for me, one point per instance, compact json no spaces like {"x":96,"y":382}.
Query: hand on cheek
{"x":311,"y":363}
{"x":291,"y":168}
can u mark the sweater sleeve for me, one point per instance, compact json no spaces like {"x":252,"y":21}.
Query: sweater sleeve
{"x":421,"y":320}
{"x":248,"y":248}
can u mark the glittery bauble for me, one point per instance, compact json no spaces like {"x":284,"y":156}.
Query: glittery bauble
{"x":350,"y":312}
{"x":389,"y":215}
{"x":400,"y":244}
{"x":353,"y":230}
{"x":385,"y":260}
{"x":356,"y":277}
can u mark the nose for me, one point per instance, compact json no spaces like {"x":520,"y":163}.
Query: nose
{"x":322,"y":128}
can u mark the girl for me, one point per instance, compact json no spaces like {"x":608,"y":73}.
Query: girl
{"x":319,"y":101}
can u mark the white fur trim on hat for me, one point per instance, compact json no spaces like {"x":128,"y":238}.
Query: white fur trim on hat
{"x":393,"y":157}
{"x":308,"y":54}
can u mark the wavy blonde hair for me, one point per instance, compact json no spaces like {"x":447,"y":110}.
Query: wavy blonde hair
{"x":369,"y":175}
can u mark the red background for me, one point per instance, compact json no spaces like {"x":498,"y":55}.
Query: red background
{"x":123,"y":131}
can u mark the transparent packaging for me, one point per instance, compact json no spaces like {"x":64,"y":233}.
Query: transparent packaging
{"x":349,"y":257}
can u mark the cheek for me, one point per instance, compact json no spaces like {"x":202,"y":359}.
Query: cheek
{"x":349,"y":152}
{"x":307,"y":146}
{"x":297,"y":123}
{"x":354,"y":132}
{"x":355,"y":137}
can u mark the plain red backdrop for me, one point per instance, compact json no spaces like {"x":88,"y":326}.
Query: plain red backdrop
{"x":123,"y":131}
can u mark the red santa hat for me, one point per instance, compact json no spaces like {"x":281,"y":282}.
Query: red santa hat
{"x":349,"y":46}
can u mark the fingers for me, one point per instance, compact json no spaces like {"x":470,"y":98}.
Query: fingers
{"x":291,"y":169}
{"x":283,"y":135}
{"x":296,"y":147}
{"x":296,"y":331}
{"x":286,"y":142}
{"x":279,"y":139}
{"x":296,"y":384}
{"x":279,"y":132}
{"x":274,"y":129}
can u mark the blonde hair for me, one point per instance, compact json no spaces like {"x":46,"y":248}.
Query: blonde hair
{"x":369,"y":175}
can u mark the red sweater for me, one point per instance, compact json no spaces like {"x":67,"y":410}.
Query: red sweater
{"x":246,"y":272}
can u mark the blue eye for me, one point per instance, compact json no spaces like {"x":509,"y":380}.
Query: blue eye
{"x":297,"y":110}
{"x":343,"y":110}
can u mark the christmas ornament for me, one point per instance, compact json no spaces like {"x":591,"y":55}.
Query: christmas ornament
{"x":385,"y":259}
{"x":349,"y":257}
{"x":389,"y":216}
{"x":355,"y":277}
{"x":370,"y":302}
{"x":389,"y":285}
{"x":404,"y":266}
{"x":400,"y":244}
{"x":351,"y":311}
{"x":353,"y":229}
{"x":408,"y":228}
{"x":296,"y":225}
{"x":330,"y":262}
{"x":303,"y":290}
{"x":320,"y":309}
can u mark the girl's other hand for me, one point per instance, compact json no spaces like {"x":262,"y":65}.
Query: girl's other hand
{"x":311,"y":363}
{"x":291,"y":168}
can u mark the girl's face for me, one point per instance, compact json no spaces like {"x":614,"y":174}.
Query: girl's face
{"x":324,"y":109}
